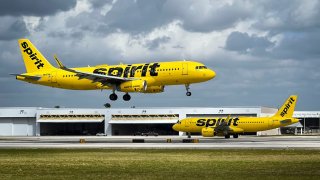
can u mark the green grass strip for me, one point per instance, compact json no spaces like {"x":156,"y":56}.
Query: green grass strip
{"x":158,"y":164}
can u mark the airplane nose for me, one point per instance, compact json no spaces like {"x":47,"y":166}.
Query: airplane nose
{"x":211,"y":74}
{"x":175,"y":127}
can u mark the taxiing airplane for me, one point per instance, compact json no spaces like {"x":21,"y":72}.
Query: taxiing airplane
{"x":127,"y":78}
{"x":218,"y":126}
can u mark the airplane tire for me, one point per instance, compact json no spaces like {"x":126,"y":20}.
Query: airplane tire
{"x":188,"y":93}
{"x":113,"y":97}
{"x":227,"y":136}
{"x":126,"y":97}
{"x":235,"y":135}
{"x":189,"y":134}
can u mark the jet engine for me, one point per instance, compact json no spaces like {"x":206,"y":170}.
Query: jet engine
{"x":133,"y":86}
{"x":207,"y":132}
{"x":154,"y":89}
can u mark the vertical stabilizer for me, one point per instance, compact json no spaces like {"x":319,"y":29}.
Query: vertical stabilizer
{"x":287,"y":108}
{"x":33,"y":59}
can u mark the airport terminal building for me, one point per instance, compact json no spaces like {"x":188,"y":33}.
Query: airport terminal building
{"x":36,"y":121}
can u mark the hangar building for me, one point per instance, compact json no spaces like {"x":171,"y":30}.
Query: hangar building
{"x":37,"y":121}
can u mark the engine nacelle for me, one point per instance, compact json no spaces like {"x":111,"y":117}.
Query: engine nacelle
{"x":207,"y":132}
{"x":133,"y":86}
{"x":154,"y":89}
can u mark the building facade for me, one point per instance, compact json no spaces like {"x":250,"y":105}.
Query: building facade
{"x":33,"y":121}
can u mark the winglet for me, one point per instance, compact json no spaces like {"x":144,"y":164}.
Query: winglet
{"x":61,"y":66}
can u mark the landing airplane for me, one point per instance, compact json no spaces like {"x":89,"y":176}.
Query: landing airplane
{"x":218,"y":126}
{"x":139,"y":78}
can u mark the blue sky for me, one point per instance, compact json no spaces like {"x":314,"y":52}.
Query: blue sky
{"x":262,"y":51}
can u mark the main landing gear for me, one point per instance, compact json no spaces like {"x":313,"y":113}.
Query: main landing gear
{"x":227,"y":136}
{"x":114,"y":97}
{"x":126,"y":97}
{"x":187,"y":88}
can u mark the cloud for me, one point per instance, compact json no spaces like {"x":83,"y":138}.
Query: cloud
{"x":155,"y":43}
{"x":12,"y":28}
{"x":299,"y":45}
{"x":35,"y":7}
{"x":207,"y":16}
{"x":262,"y":51}
{"x":244,"y":43}
{"x":287,"y":15}
{"x":143,"y":15}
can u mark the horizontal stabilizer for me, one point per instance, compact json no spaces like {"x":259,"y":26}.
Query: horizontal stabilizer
{"x":36,"y":78}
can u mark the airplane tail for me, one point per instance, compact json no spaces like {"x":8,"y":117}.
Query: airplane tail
{"x":287,"y":108}
{"x":32,"y":57}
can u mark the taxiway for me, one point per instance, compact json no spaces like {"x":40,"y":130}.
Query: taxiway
{"x":162,"y":142}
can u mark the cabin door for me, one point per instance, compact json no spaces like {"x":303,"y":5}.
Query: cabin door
{"x":184,"y":68}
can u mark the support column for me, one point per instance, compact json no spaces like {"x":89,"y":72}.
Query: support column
{"x":107,"y":125}
{"x":304,"y":125}
{"x":182,"y":116}
{"x":182,"y":133}
{"x":37,"y":129}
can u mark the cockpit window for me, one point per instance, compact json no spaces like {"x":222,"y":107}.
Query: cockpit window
{"x":201,"y":67}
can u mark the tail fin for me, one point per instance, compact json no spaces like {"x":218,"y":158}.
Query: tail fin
{"x":33,"y":59}
{"x":287,"y":108}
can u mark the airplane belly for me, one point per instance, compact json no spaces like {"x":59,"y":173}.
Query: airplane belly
{"x":78,"y":85}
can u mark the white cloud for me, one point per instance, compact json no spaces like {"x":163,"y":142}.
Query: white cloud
{"x":110,"y":32}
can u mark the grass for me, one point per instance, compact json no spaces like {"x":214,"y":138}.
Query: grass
{"x":158,"y":164}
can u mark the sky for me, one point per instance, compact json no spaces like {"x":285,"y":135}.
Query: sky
{"x":261,"y":50}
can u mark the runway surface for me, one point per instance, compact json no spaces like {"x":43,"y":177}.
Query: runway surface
{"x":126,"y":142}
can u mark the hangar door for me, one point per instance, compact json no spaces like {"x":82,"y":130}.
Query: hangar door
{"x":73,"y":129}
{"x":128,"y":125}
{"x":17,"y":126}
{"x":54,"y":125}
{"x":138,"y":129}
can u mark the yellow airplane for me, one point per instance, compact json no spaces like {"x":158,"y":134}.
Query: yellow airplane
{"x":140,"y":78}
{"x":218,"y":126}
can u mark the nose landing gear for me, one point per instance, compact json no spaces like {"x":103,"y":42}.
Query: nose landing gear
{"x":187,"y":88}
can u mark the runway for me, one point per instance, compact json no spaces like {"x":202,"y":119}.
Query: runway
{"x":133,"y":142}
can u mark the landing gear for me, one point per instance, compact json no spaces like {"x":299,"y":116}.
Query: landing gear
{"x":227,"y":136}
{"x":187,"y":88}
{"x":113,"y":97}
{"x":189,"y":134}
{"x":126,"y":97}
{"x":235,"y":135}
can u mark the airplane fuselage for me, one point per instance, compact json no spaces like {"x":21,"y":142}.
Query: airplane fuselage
{"x":127,"y":78}
{"x":218,"y":126}
{"x":241,"y":124}
{"x":155,"y":74}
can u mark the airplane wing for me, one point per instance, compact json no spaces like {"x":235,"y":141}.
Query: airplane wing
{"x":225,"y":128}
{"x":104,"y":79}
{"x":36,"y":78}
